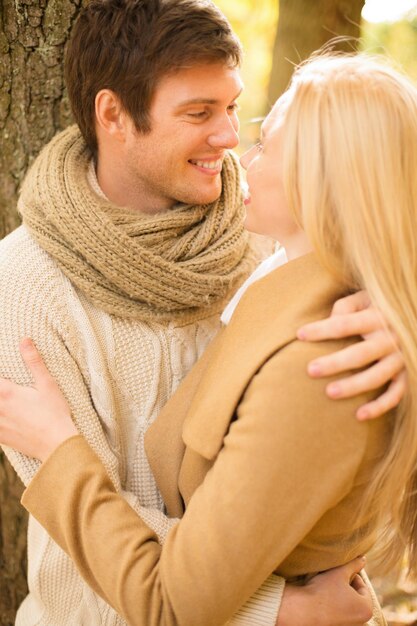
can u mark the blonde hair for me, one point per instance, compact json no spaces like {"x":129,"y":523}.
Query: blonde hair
{"x":350,"y":159}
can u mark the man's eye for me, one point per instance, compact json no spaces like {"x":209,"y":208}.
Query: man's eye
{"x":198,"y":115}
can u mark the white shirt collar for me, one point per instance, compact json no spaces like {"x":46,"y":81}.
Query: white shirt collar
{"x":268,"y":265}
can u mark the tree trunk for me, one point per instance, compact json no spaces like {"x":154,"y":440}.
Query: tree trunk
{"x":32,"y":102}
{"x":13,"y":524}
{"x":304,"y":26}
{"x":33,"y":107}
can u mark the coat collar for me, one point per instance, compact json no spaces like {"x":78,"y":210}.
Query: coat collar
{"x":267,"y":318}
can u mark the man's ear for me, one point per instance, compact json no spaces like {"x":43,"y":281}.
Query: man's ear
{"x":110,"y":116}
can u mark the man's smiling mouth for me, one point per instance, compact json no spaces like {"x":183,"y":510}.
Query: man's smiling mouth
{"x":208,"y":165}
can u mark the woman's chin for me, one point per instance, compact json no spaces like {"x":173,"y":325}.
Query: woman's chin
{"x":253,"y":226}
{"x":249,"y":224}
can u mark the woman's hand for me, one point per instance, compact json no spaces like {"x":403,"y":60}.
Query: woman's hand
{"x":338,"y":597}
{"x":351,"y":316}
{"x":34,"y":420}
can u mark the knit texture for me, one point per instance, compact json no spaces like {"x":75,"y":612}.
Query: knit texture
{"x":124,"y":260}
{"x":378,"y":618}
{"x":116,"y":374}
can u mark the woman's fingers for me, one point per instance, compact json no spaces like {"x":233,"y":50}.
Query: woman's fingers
{"x":348,"y":571}
{"x":340,"y":596}
{"x":359,"y":585}
{"x":5,"y":390}
{"x":16,"y":404}
{"x":34,"y":420}
{"x":8,"y":393}
{"x":34,"y":363}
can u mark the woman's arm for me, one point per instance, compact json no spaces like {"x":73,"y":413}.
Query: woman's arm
{"x":209,"y":564}
{"x":41,"y":430}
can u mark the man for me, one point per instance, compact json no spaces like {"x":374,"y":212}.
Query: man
{"x":120,"y":292}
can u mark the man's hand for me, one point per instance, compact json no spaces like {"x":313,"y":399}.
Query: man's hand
{"x":352,"y":316}
{"x":338,"y":597}
{"x":34,"y":420}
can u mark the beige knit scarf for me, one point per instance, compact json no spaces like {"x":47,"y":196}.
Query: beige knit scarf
{"x":179,"y":265}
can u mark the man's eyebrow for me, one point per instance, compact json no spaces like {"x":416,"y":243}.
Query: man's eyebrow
{"x":197,"y":101}
{"x":203,"y":100}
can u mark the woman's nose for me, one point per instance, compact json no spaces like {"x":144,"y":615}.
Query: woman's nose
{"x":247,"y":157}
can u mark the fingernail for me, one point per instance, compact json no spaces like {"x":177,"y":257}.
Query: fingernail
{"x":314,"y":369}
{"x":362,"y":414}
{"x":26,"y":344}
{"x":301,"y":334}
{"x":333,"y":390}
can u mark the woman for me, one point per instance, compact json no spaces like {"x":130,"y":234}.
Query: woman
{"x":273,"y":476}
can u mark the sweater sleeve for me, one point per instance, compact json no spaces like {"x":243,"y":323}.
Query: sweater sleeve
{"x":263,"y":606}
{"x":241,"y":523}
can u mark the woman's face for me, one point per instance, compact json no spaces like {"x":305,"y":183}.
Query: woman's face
{"x":267,"y":211}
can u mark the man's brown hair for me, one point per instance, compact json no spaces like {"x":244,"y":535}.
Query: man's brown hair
{"x":129,"y":45}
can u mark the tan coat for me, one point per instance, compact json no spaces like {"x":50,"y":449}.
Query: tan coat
{"x":277,"y":472}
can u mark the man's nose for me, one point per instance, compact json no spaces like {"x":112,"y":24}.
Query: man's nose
{"x":224,"y":134}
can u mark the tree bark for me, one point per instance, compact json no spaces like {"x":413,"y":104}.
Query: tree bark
{"x":13,"y":524}
{"x":303,"y":27}
{"x":33,"y":107}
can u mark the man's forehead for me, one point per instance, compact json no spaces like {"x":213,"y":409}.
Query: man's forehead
{"x":200,"y":84}
{"x":202,"y":100}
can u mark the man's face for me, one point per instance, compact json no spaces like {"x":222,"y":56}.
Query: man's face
{"x":193,"y":122}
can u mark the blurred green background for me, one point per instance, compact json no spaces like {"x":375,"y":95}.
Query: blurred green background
{"x":387,"y":27}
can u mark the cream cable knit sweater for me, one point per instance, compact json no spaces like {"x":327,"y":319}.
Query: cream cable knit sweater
{"x":117,"y":374}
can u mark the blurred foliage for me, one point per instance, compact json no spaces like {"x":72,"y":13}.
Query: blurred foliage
{"x":255,"y":22}
{"x":397,"y":40}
